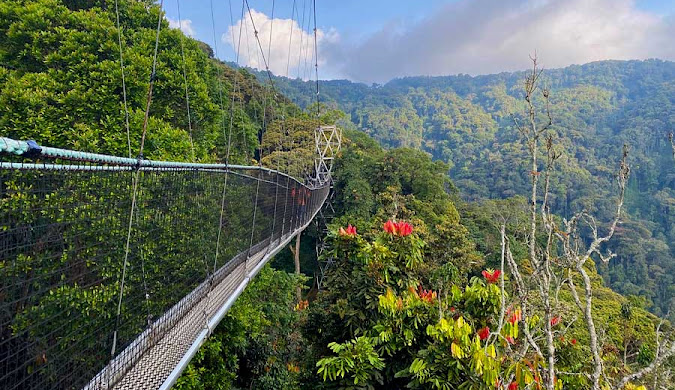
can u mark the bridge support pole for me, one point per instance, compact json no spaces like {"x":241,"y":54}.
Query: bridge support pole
{"x":296,"y":259}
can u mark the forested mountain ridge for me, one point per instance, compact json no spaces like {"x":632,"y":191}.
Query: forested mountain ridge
{"x":597,"y":107}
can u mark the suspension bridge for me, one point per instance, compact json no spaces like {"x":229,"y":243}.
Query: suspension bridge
{"x":70,"y":292}
{"x":114,"y":270}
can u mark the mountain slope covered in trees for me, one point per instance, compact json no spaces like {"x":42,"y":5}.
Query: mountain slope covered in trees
{"x":413,"y":299}
{"x":467,"y":122}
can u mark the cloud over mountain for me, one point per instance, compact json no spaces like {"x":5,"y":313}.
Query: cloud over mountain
{"x":487,"y":36}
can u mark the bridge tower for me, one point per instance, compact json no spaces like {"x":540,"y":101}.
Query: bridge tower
{"x":328,"y":141}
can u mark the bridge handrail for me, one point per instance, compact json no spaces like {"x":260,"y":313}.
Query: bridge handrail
{"x":31,"y":149}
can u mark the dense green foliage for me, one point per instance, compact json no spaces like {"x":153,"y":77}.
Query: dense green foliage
{"x":398,"y":309}
{"x":62,"y":86}
{"x":402,"y":345}
{"x":61,"y":76}
{"x":467,"y":122}
{"x":412,"y":323}
{"x":376,"y":324}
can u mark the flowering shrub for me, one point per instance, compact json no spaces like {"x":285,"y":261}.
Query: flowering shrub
{"x":427,"y":296}
{"x":409,"y":321}
{"x":514,"y":316}
{"x":446,"y":336}
{"x":302,"y":305}
{"x":390,"y":227}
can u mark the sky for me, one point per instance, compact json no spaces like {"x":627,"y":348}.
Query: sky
{"x":374,"y":41}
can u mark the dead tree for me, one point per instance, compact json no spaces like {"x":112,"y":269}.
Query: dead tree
{"x":558,"y":252}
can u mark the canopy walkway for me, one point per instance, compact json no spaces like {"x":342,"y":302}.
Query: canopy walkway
{"x":114,"y":270}
{"x":107,"y":286}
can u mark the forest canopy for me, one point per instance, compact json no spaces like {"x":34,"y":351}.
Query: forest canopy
{"x":416,"y":296}
{"x":467,"y":122}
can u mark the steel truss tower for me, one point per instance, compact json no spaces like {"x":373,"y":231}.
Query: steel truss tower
{"x":328,"y":141}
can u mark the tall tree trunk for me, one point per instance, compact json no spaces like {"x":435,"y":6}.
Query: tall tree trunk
{"x":296,"y":259}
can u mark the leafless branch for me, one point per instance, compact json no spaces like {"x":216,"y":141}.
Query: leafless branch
{"x":657,"y":362}
{"x":562,"y":258}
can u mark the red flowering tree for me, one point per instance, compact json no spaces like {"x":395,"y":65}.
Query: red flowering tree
{"x":400,"y":331}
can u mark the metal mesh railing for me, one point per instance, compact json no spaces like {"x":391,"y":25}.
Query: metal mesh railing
{"x":64,"y":222}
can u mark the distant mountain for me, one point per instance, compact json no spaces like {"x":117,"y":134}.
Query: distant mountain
{"x":597,"y":107}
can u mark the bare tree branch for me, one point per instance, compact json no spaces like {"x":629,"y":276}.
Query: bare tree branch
{"x":658,"y":361}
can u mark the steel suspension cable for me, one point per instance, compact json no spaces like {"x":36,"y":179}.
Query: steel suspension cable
{"x":290,"y":39}
{"x":152,"y":81}
{"x":264,"y":119}
{"x":124,"y":84}
{"x":302,"y":58}
{"x":302,"y":46}
{"x":248,"y":56}
{"x":228,"y":151}
{"x":316,"y":65}
{"x":282,"y":131}
{"x":187,"y":95}
{"x":276,"y":187}
{"x":135,"y":183}
{"x":262,"y":52}
{"x":305,"y":70}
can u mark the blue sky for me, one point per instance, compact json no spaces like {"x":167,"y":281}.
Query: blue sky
{"x":376,"y":40}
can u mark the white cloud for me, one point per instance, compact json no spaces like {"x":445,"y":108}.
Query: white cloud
{"x":185,"y":26}
{"x":487,"y":36}
{"x":278,"y":37}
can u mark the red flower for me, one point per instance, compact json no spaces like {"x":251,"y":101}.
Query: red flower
{"x":302,"y":305}
{"x":349,"y":232}
{"x":483,"y":333}
{"x":404,"y":229}
{"x":492,"y":277}
{"x":427,"y":295}
{"x":398,"y":228}
{"x":555,"y":320}
{"x":573,"y":341}
{"x":513,"y":386}
{"x":390,"y":227}
{"x":516,"y":316}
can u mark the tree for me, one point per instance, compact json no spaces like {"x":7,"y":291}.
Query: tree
{"x":559,"y":253}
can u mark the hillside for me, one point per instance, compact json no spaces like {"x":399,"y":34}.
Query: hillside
{"x":467,"y":122}
{"x":416,"y":298}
